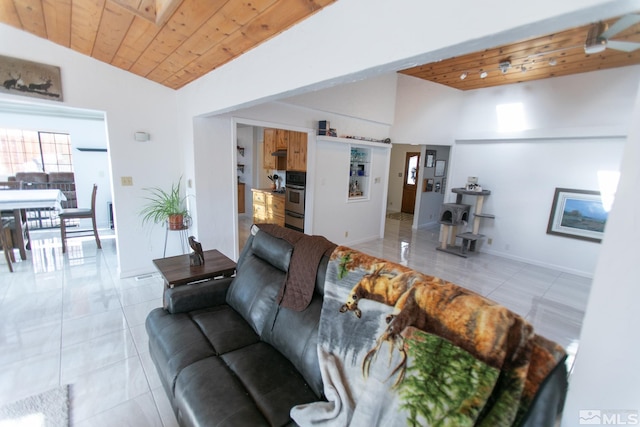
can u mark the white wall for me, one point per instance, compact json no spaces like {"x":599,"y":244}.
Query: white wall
{"x":352,"y":40}
{"x":339,"y":219}
{"x":573,"y":127}
{"x":522,"y":168}
{"x":130,"y":104}
{"x":598,"y":103}
{"x":215,"y":193}
{"x":426,"y":113}
{"x":431,"y":202}
{"x":605,"y":376}
{"x":372,"y":99}
{"x":522,"y":177}
{"x":245,"y":140}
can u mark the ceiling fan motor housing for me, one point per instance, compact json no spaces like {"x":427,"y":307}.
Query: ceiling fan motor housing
{"x":594,"y":42}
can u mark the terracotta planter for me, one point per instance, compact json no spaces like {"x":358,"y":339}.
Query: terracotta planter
{"x":176,"y":222}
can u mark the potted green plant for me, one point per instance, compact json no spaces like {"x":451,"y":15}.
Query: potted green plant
{"x":166,"y":206}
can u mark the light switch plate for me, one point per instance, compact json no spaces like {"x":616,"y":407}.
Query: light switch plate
{"x":126,"y":181}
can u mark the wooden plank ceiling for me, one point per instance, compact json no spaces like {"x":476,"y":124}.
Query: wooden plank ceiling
{"x":531,"y":59}
{"x":172,"y":42}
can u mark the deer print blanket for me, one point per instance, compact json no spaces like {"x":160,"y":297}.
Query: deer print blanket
{"x":398,"y":348}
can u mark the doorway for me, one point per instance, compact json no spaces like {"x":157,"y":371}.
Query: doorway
{"x":410,"y":183}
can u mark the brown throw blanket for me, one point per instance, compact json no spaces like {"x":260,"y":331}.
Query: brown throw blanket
{"x":297,"y":290}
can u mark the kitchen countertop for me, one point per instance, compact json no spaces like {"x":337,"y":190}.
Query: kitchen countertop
{"x":268,"y":190}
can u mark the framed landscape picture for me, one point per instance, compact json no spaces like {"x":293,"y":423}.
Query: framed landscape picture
{"x":578,"y":214}
{"x":26,"y":78}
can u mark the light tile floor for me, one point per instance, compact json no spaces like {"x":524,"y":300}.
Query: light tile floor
{"x":68,"y":319}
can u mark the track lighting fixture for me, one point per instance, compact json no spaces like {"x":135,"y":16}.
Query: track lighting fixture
{"x":504,"y":66}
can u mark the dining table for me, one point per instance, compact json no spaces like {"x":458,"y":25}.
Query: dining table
{"x":18,"y":201}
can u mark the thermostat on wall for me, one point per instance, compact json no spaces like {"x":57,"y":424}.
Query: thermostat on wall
{"x":142,"y":136}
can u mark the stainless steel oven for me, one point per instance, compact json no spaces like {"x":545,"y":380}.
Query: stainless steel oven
{"x":294,"y":200}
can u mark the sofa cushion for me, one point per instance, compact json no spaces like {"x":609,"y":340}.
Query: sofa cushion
{"x":271,"y":380}
{"x":295,"y":335}
{"x":208,"y":393}
{"x":225,"y":329}
{"x":275,"y":251}
{"x":174,"y":343}
{"x":254,"y":290}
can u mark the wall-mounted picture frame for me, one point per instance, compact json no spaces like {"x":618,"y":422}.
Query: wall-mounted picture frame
{"x":26,"y":78}
{"x":440,"y":167}
{"x":429,"y":185}
{"x":430,"y":158}
{"x":578,"y":214}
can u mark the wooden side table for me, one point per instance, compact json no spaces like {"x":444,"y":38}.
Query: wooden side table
{"x":177,"y":271}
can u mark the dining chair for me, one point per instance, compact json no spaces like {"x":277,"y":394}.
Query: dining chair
{"x":79,"y":213}
{"x":6,"y":243}
{"x":10,"y":228}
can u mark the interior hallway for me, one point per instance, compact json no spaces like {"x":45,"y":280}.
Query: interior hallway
{"x":68,"y":319}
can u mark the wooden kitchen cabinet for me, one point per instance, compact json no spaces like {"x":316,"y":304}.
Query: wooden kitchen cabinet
{"x":273,"y":141}
{"x":282,"y":139}
{"x":268,"y":207}
{"x":297,"y":152}
{"x":241,"y":207}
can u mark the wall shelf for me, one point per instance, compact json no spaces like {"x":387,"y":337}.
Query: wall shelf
{"x":485,"y":215}
{"x":94,"y":150}
{"x":359,"y":170}
{"x":352,"y":141}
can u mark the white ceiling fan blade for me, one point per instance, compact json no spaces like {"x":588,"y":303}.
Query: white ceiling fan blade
{"x":623,"y":46}
{"x":621,"y":25}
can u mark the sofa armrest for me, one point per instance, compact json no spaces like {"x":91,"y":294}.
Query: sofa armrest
{"x":548,"y":403}
{"x":181,"y":299}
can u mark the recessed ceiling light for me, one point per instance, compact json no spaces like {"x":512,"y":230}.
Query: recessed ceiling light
{"x":463,"y":76}
{"x":553,"y":62}
{"x":483,"y":74}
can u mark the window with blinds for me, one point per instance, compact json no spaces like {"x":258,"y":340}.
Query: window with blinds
{"x":34,"y":151}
